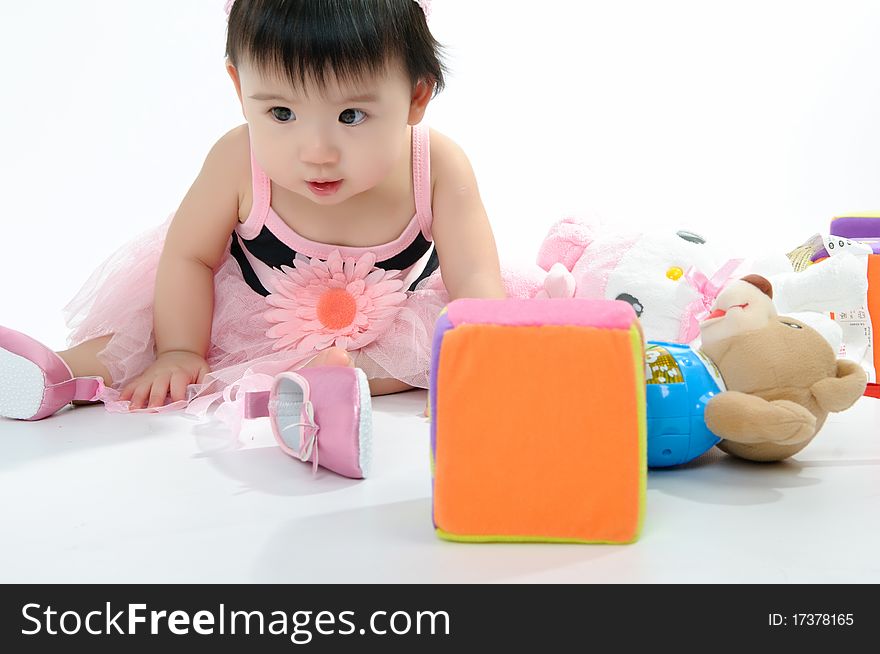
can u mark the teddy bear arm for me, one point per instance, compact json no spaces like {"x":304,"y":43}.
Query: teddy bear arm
{"x":762,"y":452}
{"x":745,"y":418}
{"x":839,"y":393}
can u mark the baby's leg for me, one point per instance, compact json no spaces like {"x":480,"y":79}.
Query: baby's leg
{"x":388,"y":387}
{"x":336,"y":356}
{"x":83,"y":359}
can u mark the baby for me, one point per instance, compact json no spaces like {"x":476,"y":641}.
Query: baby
{"x":315,"y":234}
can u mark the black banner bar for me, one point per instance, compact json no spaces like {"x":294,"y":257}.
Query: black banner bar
{"x":428,"y":618}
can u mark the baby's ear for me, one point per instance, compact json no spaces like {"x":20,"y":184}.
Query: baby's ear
{"x":565,"y":243}
{"x":232,"y":71}
{"x":839,"y":393}
{"x":421,"y":96}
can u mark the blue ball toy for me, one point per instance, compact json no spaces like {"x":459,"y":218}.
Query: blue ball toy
{"x":680,"y":381}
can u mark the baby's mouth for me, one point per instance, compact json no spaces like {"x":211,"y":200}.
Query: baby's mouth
{"x":324,"y":188}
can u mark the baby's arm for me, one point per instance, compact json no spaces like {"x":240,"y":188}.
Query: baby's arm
{"x":462,"y":234}
{"x":184,"y":301}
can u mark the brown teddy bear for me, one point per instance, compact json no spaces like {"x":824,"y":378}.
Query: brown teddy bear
{"x":782,"y":378}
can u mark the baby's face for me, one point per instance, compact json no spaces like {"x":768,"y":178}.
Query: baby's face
{"x":332,"y":143}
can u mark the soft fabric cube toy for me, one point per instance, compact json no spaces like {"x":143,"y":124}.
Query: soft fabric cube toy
{"x":538,"y":427}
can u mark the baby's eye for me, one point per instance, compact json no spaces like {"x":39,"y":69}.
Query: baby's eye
{"x":282,"y":114}
{"x":352,"y":117}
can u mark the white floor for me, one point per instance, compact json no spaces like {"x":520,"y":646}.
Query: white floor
{"x":91,"y":497}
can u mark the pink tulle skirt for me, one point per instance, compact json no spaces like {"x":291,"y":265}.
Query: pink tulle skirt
{"x":117,"y":300}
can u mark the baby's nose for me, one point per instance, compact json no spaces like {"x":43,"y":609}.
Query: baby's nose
{"x":319,"y":153}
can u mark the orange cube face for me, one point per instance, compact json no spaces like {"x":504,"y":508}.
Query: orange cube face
{"x":539,"y":429}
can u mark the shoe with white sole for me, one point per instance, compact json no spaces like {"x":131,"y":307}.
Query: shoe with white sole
{"x":35,"y":382}
{"x":320,"y":415}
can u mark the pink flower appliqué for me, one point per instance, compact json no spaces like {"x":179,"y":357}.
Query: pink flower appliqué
{"x":345,"y":302}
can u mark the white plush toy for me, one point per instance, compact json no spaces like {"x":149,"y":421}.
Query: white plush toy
{"x":836,"y":284}
{"x":672,"y":279}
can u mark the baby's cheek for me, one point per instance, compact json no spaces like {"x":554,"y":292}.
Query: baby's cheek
{"x":374,"y":170}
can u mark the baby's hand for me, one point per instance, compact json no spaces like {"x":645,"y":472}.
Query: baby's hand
{"x":171,"y":372}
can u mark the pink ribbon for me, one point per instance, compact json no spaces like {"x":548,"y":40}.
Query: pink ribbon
{"x":707,"y":292}
{"x":308,"y":445}
{"x":261,"y":404}
{"x":426,"y":7}
{"x":231,"y":409}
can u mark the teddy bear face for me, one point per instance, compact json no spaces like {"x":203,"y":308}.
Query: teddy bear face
{"x":784,"y":358}
{"x":782,"y":377}
{"x":740,"y":308}
{"x":760,"y":352}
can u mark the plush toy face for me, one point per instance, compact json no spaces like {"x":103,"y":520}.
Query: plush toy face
{"x":740,"y":308}
{"x":782,"y":377}
{"x":782,"y":358}
{"x":648,"y":271}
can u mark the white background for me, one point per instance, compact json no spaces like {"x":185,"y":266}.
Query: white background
{"x":732,"y":119}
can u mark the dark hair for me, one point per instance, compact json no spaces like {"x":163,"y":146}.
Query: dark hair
{"x":307,"y":39}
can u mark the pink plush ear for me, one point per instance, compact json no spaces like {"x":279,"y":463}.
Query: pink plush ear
{"x":559,"y":283}
{"x":565,"y":243}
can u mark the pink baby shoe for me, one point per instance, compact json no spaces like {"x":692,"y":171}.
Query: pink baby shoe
{"x":35,"y":382}
{"x":321,"y":415}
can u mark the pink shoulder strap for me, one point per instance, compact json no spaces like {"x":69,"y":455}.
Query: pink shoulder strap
{"x":262,"y":188}
{"x":262,"y":199}
{"x":421,"y":143}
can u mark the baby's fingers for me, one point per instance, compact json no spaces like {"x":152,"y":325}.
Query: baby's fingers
{"x":128,"y":391}
{"x":140,"y":394}
{"x":159,"y":392}
{"x":179,"y":384}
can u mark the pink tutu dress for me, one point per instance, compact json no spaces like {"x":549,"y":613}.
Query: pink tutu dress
{"x":281,"y":298}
